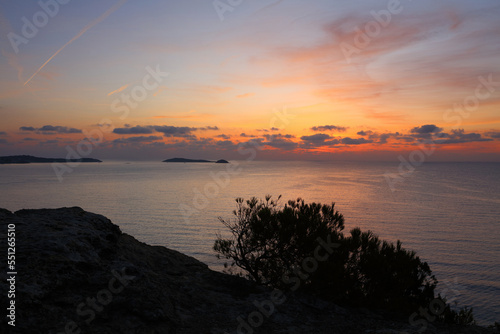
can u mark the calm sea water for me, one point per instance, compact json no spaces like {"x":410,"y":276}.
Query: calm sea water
{"x":448,"y":212}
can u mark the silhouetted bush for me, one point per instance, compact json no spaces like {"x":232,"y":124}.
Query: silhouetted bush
{"x":496,"y":326}
{"x":267,"y":241}
{"x":463,"y":316}
{"x":302,"y":245}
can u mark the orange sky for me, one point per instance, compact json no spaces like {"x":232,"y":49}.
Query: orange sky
{"x":293,"y":80}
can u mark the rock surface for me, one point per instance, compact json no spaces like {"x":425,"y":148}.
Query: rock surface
{"x":78,"y":273}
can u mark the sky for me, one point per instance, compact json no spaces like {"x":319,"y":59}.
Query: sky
{"x":243,"y":80}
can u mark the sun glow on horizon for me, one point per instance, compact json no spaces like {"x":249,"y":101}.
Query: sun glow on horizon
{"x":296,"y":79}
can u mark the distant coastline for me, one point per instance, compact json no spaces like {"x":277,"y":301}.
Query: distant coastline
{"x":221,"y":161}
{"x":28,"y":159}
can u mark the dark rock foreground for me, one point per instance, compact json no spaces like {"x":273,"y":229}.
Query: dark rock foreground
{"x":78,"y":273}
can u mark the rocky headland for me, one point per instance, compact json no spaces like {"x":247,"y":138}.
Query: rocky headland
{"x":78,"y":273}
{"x":28,"y":159}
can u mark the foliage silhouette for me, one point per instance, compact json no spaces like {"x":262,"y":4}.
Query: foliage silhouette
{"x":271,"y":244}
{"x":462,"y":317}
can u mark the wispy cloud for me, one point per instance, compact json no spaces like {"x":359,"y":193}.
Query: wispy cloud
{"x":160,"y":89}
{"x":115,"y":7}
{"x":122,"y":88}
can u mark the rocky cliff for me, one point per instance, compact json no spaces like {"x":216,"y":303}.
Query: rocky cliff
{"x":78,"y":273}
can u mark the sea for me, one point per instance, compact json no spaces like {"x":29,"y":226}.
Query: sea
{"x":449,"y":213}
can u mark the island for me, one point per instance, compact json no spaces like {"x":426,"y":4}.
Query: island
{"x":27,"y":159}
{"x":221,"y":161}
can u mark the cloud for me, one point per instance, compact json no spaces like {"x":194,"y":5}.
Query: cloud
{"x":122,"y":88}
{"x":3,"y":133}
{"x":160,"y":89}
{"x":174,"y":131}
{"x":317,"y":138}
{"x":223,"y":136}
{"x":279,"y":135}
{"x":139,"y":139}
{"x":29,"y":139}
{"x":424,"y":47}
{"x":243,"y":134}
{"x":87,"y":27}
{"x":426,"y":129}
{"x":355,"y":141}
{"x":208,"y":128}
{"x":493,"y":134}
{"x":225,"y":143}
{"x":106,"y":125}
{"x":58,"y":129}
{"x":384,"y":137}
{"x":329,"y":128}
{"x":281,"y":142}
{"x":365,"y":133}
{"x":459,"y":136}
{"x":136,"y":130}
{"x":167,"y":130}
{"x":255,"y":142}
{"x":51,"y":129}
{"x":320,"y":139}
{"x":268,"y":130}
{"x":3,"y":141}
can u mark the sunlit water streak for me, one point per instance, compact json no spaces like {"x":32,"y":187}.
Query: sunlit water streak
{"x":447,"y":212}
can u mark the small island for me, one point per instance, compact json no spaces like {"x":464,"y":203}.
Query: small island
{"x":221,"y":161}
{"x":27,"y":159}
